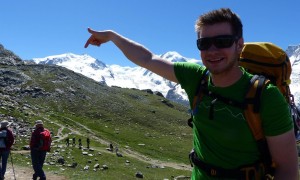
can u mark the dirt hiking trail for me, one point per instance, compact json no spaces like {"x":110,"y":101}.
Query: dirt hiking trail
{"x":25,"y":173}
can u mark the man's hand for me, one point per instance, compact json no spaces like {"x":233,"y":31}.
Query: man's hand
{"x":97,"y":37}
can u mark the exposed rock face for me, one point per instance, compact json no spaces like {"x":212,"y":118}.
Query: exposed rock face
{"x":8,"y":57}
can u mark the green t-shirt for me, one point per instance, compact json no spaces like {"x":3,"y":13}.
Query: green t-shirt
{"x":226,"y":140}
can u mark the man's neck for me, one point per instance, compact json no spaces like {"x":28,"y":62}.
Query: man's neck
{"x":227,"y":78}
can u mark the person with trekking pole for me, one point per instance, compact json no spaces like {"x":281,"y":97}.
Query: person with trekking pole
{"x":12,"y":165}
{"x":224,"y":147}
{"x":6,"y":142}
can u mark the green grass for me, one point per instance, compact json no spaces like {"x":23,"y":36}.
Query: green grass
{"x":117,"y":166}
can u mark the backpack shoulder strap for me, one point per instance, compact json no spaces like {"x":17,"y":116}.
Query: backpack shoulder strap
{"x":252,"y":115}
{"x":251,"y":112}
{"x":201,"y":84}
{"x":198,"y":95}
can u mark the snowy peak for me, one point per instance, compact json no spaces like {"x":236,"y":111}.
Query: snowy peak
{"x":70,"y":58}
{"x":294,"y":54}
{"x":173,"y":56}
{"x":83,"y":64}
{"x":292,"y":49}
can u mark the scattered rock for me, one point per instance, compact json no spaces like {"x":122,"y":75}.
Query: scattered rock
{"x":26,"y":147}
{"x":139,"y":175}
{"x":119,"y":154}
{"x":61,"y":160}
{"x":182,"y":177}
{"x":104,"y":167}
{"x":74,"y":165}
{"x":97,"y":166}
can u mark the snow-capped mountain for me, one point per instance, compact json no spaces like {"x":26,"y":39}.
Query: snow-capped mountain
{"x":140,"y":78}
{"x":125,"y":77}
{"x":83,"y":64}
{"x":294,"y":55}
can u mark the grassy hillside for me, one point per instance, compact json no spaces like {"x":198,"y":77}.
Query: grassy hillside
{"x":145,"y":127}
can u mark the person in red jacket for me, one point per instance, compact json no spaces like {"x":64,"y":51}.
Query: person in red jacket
{"x":6,"y":141}
{"x":38,"y":149}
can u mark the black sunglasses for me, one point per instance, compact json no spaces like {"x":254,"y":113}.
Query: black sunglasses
{"x":222,"y":41}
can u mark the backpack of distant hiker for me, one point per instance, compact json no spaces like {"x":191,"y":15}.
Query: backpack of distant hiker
{"x":269,"y":64}
{"x":3,"y":138}
{"x":46,"y":140}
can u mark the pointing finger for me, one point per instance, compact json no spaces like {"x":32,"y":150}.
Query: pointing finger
{"x":87,"y":42}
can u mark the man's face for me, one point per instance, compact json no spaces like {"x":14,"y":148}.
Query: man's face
{"x":220,"y":60}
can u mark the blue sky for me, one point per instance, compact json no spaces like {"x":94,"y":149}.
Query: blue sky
{"x":36,"y":29}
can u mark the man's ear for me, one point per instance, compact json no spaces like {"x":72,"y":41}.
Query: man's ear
{"x":240,"y":44}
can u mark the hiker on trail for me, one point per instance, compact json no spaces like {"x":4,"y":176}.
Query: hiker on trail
{"x":118,"y":153}
{"x":74,"y":141}
{"x":79,"y":143}
{"x":67,"y":142}
{"x":40,"y":143}
{"x":224,"y":141}
{"x":6,"y":141}
{"x":111,"y":147}
{"x":88,"y":143}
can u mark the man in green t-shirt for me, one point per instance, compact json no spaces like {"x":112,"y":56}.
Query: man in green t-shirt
{"x":225,"y":141}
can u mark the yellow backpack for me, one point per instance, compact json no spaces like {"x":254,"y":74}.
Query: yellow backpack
{"x":270,"y":61}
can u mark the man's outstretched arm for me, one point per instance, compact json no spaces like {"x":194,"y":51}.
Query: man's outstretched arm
{"x":135,"y":52}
